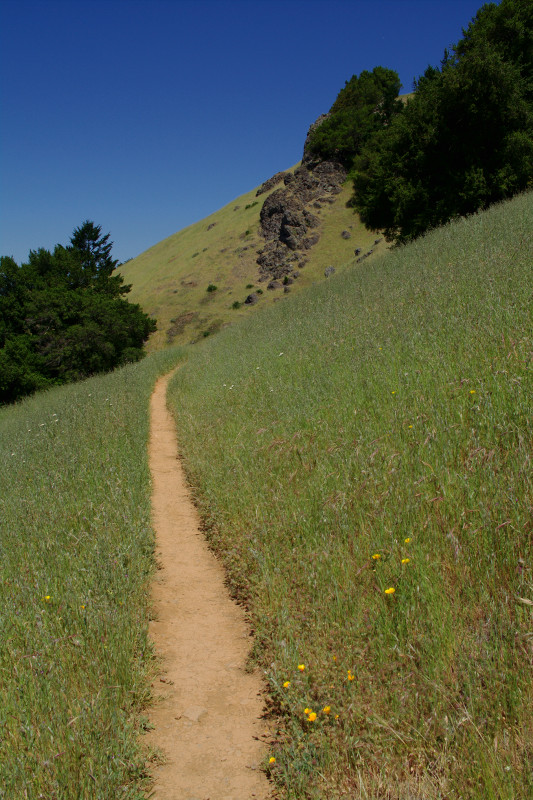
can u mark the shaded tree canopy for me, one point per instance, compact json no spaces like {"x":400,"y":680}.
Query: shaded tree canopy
{"x":366,"y":104}
{"x":63,"y":317}
{"x":465,"y":139}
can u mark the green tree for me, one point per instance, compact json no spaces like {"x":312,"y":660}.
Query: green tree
{"x":507,"y":28}
{"x":62,"y":316}
{"x":365,"y":105}
{"x":464,"y":141}
{"x":95,"y":262}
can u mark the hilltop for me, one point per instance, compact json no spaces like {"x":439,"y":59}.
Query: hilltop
{"x":295,"y":229}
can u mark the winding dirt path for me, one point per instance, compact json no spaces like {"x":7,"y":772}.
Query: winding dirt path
{"x":207,"y":714}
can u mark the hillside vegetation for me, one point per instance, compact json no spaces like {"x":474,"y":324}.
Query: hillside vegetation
{"x":63,"y":316}
{"x":464,"y":140}
{"x":362,"y":458}
{"x":76,"y":554}
{"x":171,"y":279}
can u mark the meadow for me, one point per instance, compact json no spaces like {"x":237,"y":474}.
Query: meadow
{"x":361,"y":456}
{"x":76,"y":556}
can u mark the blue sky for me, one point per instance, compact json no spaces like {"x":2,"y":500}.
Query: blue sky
{"x":147,"y":115}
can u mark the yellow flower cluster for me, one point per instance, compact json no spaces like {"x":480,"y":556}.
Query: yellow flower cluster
{"x":312,"y":716}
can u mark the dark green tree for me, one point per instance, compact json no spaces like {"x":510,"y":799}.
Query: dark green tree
{"x":366,"y":104}
{"x":62,"y":316}
{"x":95,"y":262}
{"x":506,"y":28}
{"x":464,"y":141}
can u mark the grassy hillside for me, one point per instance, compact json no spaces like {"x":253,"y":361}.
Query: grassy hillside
{"x":361,"y":453}
{"x":170,"y":280}
{"x":75,"y":557}
{"x":362,"y":457}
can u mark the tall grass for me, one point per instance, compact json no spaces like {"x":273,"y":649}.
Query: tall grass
{"x":76,"y":550}
{"x":373,"y":434}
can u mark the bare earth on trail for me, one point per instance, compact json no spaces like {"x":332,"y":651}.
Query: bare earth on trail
{"x":207,"y":710}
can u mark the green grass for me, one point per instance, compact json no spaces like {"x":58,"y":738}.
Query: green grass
{"x":76,"y":552}
{"x":391,"y":402}
{"x":386,"y":412}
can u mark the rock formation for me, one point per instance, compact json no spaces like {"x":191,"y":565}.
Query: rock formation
{"x":288,"y":224}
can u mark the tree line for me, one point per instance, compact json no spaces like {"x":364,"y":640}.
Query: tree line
{"x":461,"y":142}
{"x":63,"y":316}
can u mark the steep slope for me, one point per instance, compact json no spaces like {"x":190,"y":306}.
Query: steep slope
{"x":173,"y":281}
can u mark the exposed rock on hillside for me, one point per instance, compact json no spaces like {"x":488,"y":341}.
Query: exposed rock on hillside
{"x":288,"y":225}
{"x":271,"y":182}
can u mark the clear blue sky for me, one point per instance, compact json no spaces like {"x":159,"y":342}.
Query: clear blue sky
{"x":145,"y":116}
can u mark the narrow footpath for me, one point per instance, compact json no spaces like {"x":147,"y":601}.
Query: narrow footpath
{"x":207,"y":712}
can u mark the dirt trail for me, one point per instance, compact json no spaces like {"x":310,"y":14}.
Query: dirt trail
{"x":208,"y":708}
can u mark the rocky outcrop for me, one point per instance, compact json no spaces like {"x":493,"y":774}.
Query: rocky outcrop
{"x":271,"y":182}
{"x":288,"y":225}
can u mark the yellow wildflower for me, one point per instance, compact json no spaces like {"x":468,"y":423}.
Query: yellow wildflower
{"x":312,"y":716}
{"x":271,"y":760}
{"x":286,"y":684}
{"x":350,"y":676}
{"x":307,"y":710}
{"x":390,"y":590}
{"x":326,"y":710}
{"x":376,"y":556}
{"x":47,"y":598}
{"x":405,"y":560}
{"x":407,"y":540}
{"x":301,"y":667}
{"x":472,"y":391}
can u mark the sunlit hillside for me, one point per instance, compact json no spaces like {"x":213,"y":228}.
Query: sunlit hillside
{"x":172,"y":278}
{"x":362,"y":455}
